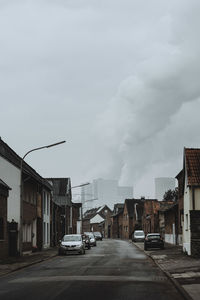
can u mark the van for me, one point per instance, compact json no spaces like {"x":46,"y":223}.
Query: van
{"x":138,"y":236}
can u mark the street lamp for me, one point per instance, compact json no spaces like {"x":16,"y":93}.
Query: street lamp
{"x":21,"y":191}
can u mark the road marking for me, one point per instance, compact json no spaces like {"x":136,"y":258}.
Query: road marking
{"x":88,"y":278}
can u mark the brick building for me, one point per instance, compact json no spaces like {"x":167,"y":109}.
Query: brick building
{"x":4,"y":190}
{"x":102,"y":221}
{"x":61,"y":207}
{"x":132,"y":217}
{"x":117,"y":221}
{"x":150,"y":216}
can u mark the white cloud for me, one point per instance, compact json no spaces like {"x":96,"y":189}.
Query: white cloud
{"x":60,"y":63}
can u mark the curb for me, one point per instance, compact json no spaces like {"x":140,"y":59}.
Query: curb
{"x":177,"y":285}
{"x":28,"y":265}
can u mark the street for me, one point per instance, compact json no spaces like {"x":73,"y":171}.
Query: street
{"x":115,"y":269}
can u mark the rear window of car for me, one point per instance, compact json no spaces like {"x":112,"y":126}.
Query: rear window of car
{"x":153,"y":236}
{"x":139,"y":233}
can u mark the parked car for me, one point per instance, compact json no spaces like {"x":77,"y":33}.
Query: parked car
{"x":92,"y":238}
{"x":138,"y":236}
{"x":71,"y":243}
{"x":98,"y":235}
{"x":153,"y":240}
{"x":86,"y":240}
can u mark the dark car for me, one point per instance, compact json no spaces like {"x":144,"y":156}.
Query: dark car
{"x":98,"y":235}
{"x":86,"y":240}
{"x":92,"y":238}
{"x":153,"y":240}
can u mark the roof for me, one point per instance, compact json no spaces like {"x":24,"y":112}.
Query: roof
{"x":96,"y":219}
{"x":192,"y":165}
{"x":61,"y":190}
{"x":10,"y":155}
{"x":164,"y":206}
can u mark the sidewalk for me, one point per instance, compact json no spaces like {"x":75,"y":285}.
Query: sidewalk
{"x":12,"y":264}
{"x":183,"y":270}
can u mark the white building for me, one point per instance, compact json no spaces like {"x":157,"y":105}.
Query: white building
{"x":191,"y":201}
{"x":104,"y":191}
{"x":162,"y":185}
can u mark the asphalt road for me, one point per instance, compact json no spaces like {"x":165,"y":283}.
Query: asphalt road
{"x":113,"y":270}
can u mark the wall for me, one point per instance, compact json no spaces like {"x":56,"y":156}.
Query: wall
{"x":186,"y":224}
{"x":197,"y":198}
{"x":11,"y":175}
{"x":125,"y":224}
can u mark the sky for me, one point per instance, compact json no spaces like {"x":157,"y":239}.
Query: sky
{"x":117,"y":79}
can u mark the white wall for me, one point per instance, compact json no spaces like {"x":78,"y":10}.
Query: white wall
{"x":186,"y":225}
{"x":197,"y":198}
{"x":11,"y":176}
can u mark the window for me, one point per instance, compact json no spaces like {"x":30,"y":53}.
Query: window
{"x":1,"y":229}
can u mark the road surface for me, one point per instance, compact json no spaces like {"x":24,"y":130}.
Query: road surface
{"x":113,"y":270}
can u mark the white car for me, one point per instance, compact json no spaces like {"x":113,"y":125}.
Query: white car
{"x":138,"y":236}
{"x":71,"y":243}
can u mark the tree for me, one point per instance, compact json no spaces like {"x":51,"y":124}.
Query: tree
{"x":171,"y":195}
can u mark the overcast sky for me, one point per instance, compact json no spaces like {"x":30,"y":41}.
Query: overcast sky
{"x":117,"y":79}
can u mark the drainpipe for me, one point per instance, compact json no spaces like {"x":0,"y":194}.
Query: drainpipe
{"x":193,"y":198}
{"x":136,"y":214}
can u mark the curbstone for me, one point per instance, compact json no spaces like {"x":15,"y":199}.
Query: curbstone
{"x":177,"y":285}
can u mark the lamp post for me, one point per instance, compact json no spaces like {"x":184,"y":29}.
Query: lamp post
{"x":21,"y":191}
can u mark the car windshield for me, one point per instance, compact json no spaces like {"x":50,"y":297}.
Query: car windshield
{"x":139,"y":233}
{"x":71,"y":238}
{"x":97,"y":233}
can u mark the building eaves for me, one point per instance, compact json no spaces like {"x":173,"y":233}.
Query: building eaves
{"x":10,"y":155}
{"x":3,"y":184}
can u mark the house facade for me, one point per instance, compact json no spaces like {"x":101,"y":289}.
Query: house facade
{"x":150,"y":216}
{"x":132,"y":217}
{"x":30,"y":184}
{"x":191,"y":201}
{"x":61,"y":208}
{"x":117,"y":221}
